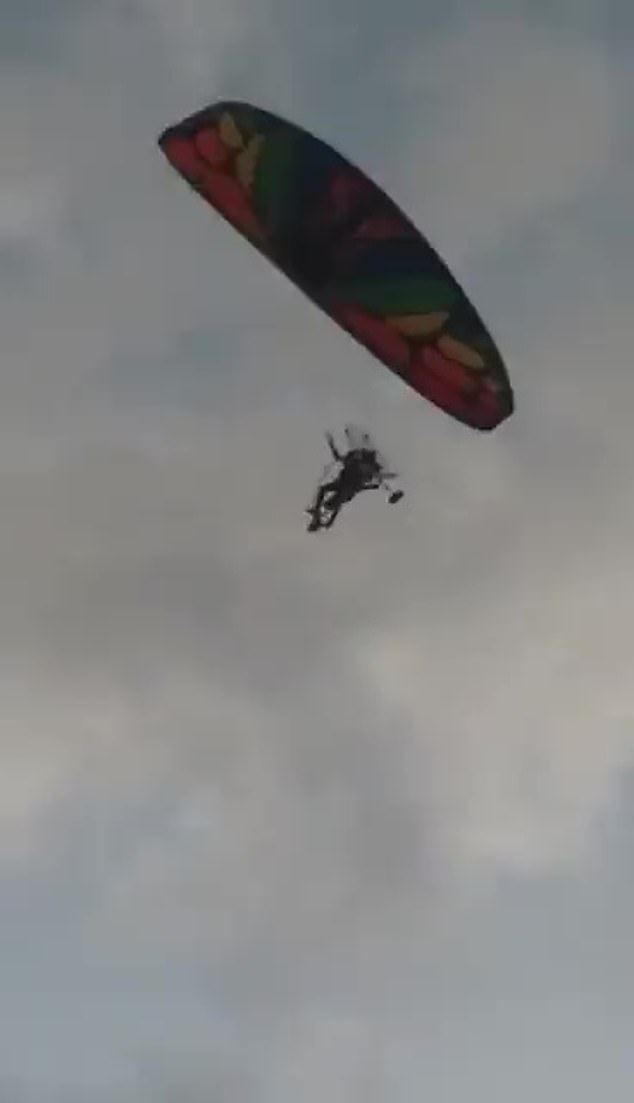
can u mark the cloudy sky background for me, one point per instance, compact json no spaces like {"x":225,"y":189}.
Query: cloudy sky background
{"x":287,"y":819}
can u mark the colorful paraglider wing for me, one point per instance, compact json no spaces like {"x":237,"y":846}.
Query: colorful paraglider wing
{"x":349,"y":248}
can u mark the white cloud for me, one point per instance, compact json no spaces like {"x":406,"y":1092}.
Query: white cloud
{"x":519,"y":722}
{"x":515,"y":120}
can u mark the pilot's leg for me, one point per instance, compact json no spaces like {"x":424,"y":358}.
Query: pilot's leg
{"x":319,"y":496}
{"x":334,"y":513}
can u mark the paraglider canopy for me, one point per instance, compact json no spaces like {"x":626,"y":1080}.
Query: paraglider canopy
{"x":336,"y":235}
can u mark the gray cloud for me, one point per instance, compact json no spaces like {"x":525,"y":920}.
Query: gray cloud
{"x":287,"y":818}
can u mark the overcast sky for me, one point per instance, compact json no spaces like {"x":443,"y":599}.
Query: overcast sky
{"x":285,"y":818}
